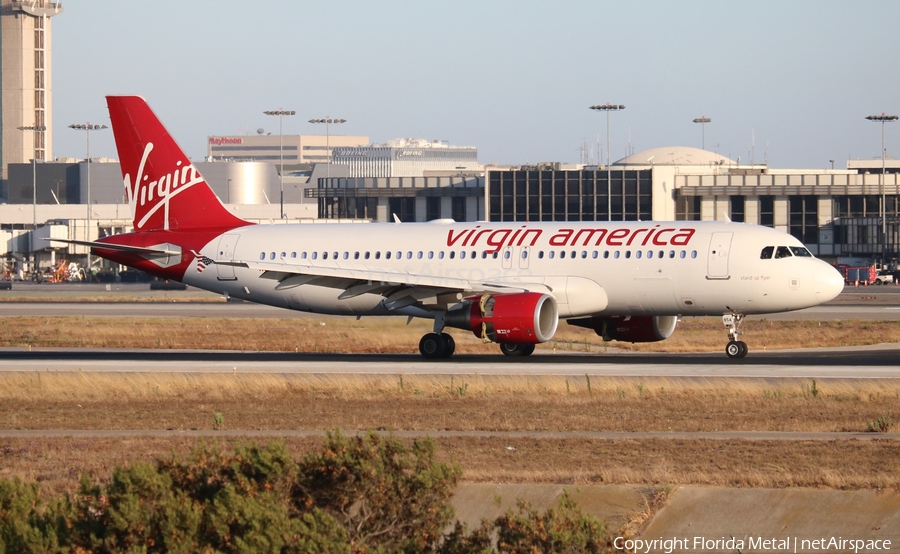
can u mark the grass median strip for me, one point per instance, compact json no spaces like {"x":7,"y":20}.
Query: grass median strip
{"x":392,"y":334}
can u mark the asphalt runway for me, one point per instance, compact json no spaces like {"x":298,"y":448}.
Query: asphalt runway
{"x":854,"y":363}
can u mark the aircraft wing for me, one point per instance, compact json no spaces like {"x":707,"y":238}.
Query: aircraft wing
{"x":400,"y":289}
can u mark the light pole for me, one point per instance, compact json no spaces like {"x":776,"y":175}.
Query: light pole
{"x":608,"y":108}
{"x":327,"y":121}
{"x":281,"y":114}
{"x":882,"y":119}
{"x":87,"y":128}
{"x":33,"y":129}
{"x":703,"y":120}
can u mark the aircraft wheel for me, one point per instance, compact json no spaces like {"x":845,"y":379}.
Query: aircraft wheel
{"x":736,"y":349}
{"x":433,"y":346}
{"x":450,"y":345}
{"x":516,"y":349}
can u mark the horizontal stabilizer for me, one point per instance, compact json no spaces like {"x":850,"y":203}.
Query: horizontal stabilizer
{"x":144,"y":251}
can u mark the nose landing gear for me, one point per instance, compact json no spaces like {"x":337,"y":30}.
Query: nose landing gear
{"x":735,"y":348}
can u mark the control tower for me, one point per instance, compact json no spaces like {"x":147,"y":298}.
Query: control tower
{"x":25,"y":72}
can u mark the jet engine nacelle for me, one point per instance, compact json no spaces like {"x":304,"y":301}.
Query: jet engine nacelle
{"x":650,"y":328}
{"x":520,"y":318}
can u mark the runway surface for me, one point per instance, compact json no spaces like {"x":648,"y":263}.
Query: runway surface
{"x":854,"y":363}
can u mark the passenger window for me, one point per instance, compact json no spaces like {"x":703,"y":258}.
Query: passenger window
{"x":606,"y":254}
{"x":637,"y":254}
{"x":583,"y":254}
{"x":496,"y":253}
{"x":462,"y":255}
{"x":671,"y":253}
{"x":272,"y":256}
{"x":378,"y":254}
{"x":419,"y":255}
{"x":616,"y":254}
{"x":800,"y":252}
{"x":595,"y":254}
{"x":782,"y":252}
{"x":693,"y":253}
{"x":562,"y":254}
{"x":293,"y":255}
{"x":474,"y":254}
{"x":540,"y":254}
{"x":336,"y":256}
{"x":766,"y":253}
{"x":366,"y":256}
{"x":452,"y":254}
{"x":399,"y":255}
{"x":441,"y":255}
{"x":387,"y":255}
{"x":524,"y":254}
{"x":324,"y":255}
{"x":262,"y":255}
{"x":683,"y":254}
{"x":627,"y":254}
{"x":662,"y":254}
{"x":649,"y":254}
{"x":284,"y":254}
{"x":347,"y":255}
{"x":484,"y":254}
{"x":315,"y":255}
{"x":574,"y":254}
{"x":550,"y":254}
{"x":430,"y":255}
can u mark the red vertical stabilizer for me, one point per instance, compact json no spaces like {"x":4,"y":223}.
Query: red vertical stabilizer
{"x":164,"y":189}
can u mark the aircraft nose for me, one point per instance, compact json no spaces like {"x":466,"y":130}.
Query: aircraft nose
{"x":829,"y":283}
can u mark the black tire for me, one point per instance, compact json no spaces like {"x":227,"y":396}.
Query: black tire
{"x":744,"y":348}
{"x":516,"y":349}
{"x":734,"y":350}
{"x":432,"y":346}
{"x":450,"y":345}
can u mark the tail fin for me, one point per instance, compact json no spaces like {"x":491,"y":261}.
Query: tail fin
{"x":164,"y":189}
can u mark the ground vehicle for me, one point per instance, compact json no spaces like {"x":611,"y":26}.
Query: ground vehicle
{"x":859,"y":275}
{"x":884,"y":277}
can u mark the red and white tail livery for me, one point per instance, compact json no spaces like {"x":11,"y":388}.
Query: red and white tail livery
{"x":506,"y":283}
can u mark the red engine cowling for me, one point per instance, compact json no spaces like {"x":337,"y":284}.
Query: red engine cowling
{"x":521,"y":318}
{"x":649,"y":328}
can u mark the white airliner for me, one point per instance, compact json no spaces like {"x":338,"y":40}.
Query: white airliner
{"x":509,"y":283}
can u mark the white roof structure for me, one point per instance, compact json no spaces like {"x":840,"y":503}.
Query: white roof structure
{"x":675,"y":155}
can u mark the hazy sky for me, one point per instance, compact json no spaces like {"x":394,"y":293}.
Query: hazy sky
{"x":514,"y":78}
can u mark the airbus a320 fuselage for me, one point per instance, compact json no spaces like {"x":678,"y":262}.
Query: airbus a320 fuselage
{"x":508,"y":283}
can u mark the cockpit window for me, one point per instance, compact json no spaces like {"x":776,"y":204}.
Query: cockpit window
{"x":782,"y":252}
{"x":800,"y":252}
{"x":766,"y":253}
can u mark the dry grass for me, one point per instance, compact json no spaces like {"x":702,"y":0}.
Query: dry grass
{"x":87,"y":400}
{"x":391,"y":334}
{"x":58,"y":463}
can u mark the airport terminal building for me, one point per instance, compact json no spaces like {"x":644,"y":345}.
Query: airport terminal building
{"x":833,"y":212}
{"x":406,"y":158}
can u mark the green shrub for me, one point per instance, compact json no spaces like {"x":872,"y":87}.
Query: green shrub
{"x":368,"y":494}
{"x":385,"y":494}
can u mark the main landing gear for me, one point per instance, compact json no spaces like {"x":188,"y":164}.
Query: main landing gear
{"x":437,"y":345}
{"x":735,"y":348}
